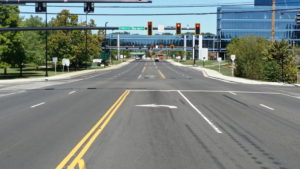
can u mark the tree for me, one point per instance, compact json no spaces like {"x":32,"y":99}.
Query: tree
{"x":249,"y":51}
{"x":279,"y":55}
{"x":34,"y":41}
{"x":11,"y":43}
{"x":72,"y":44}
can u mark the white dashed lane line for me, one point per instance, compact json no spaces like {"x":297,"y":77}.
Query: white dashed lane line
{"x":270,"y":108}
{"x":72,"y":92}
{"x":38,"y":105}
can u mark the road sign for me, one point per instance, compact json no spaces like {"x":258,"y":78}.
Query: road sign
{"x":141,"y":28}
{"x":232,"y":57}
{"x":54,"y":59}
{"x":65,"y":62}
{"x":161,"y":28}
{"x":219,"y":59}
{"x":125,"y":28}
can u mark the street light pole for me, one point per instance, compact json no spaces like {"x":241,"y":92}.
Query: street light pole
{"x":46,"y":51}
{"x":86,"y":51}
{"x":273,"y":19}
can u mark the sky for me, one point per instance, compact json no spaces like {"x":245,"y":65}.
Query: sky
{"x":208,"y":22}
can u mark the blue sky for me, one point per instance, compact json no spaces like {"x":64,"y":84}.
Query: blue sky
{"x":208,"y":22}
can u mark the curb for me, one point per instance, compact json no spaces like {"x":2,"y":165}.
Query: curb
{"x":65,"y":76}
{"x":206,"y":73}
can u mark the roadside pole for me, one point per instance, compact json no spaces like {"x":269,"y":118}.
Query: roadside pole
{"x":46,"y":51}
{"x":118,"y":43}
{"x":219,"y":60}
{"x":184,"y":47}
{"x":233,"y":64}
{"x":194,"y":50}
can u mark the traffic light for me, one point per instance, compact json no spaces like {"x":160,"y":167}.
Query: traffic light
{"x":40,"y":7}
{"x":197,"y":29}
{"x":88,"y":7}
{"x":298,"y":18}
{"x":150,"y":28}
{"x":178,"y":28}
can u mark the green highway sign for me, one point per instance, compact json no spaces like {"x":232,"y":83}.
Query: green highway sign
{"x":125,"y":28}
{"x":138,"y":28}
{"x":131,"y":28}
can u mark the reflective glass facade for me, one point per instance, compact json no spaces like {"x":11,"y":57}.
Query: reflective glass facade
{"x":278,"y":2}
{"x":256,"y":20}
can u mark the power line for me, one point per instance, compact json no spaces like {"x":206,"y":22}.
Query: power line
{"x":177,"y":14}
{"x":166,"y":6}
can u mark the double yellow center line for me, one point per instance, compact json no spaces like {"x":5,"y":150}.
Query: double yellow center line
{"x":74,"y":158}
{"x":161,"y":74}
{"x":144,"y":69}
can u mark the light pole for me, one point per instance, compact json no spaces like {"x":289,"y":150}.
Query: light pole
{"x":46,"y":51}
{"x":105,"y":42}
{"x":273,"y":19}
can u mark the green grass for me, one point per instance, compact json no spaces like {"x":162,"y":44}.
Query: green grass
{"x":200,"y":63}
{"x":31,"y":72}
{"x":14,"y":73}
{"x":225,"y":69}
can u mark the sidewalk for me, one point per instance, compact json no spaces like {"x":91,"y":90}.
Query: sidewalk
{"x":214,"y":74}
{"x":64,"y":76}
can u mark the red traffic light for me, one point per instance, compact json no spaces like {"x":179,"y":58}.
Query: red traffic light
{"x":178,"y":28}
{"x":197,"y":28}
{"x":150,"y":28}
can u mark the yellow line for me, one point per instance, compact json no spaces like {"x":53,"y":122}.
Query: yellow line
{"x":98,"y":132}
{"x":85,"y":138}
{"x":81,"y":164}
{"x":161,"y":74}
{"x":144,"y":69}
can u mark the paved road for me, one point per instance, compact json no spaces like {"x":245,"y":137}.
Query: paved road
{"x":149,"y":115}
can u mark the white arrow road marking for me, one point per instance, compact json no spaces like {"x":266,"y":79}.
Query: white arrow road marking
{"x":155,"y":105}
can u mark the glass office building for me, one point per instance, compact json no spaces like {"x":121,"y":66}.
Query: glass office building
{"x":257,"y":20}
{"x":278,"y":2}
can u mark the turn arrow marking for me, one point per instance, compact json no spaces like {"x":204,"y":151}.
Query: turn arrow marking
{"x":155,"y":106}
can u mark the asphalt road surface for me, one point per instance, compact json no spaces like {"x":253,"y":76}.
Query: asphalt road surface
{"x":149,"y":115}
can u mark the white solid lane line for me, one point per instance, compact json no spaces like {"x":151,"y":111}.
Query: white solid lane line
{"x":37,"y":105}
{"x":140,"y":76}
{"x":201,"y":114}
{"x":262,"y":105}
{"x":72,"y":92}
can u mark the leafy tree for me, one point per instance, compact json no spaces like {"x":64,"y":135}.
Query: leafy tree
{"x":11,"y":43}
{"x":72,"y":44}
{"x":34,"y":41}
{"x":249,"y":51}
{"x":281,"y":54}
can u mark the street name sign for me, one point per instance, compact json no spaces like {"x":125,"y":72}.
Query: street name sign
{"x":54,"y":59}
{"x":127,"y":28}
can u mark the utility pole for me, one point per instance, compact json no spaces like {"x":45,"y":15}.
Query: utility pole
{"x":86,"y":39}
{"x":273,"y":19}
{"x":46,"y":51}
